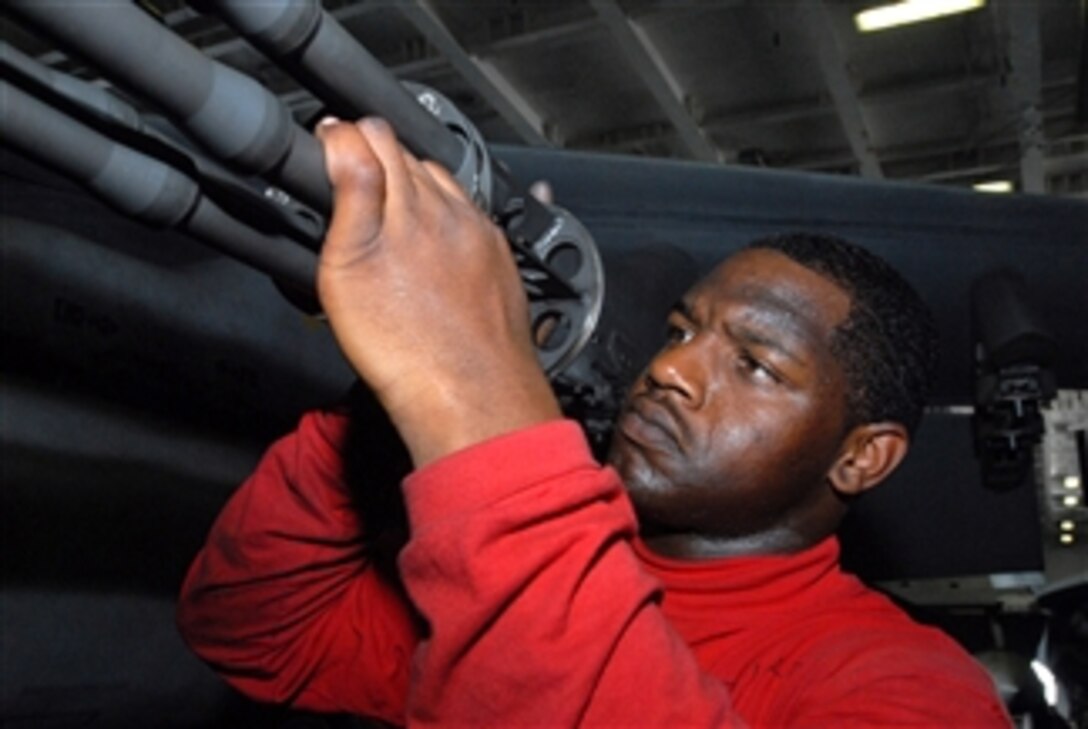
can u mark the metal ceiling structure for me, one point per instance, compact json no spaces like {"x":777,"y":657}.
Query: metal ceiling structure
{"x":996,"y":93}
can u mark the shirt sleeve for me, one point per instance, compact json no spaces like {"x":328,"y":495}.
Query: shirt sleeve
{"x":283,"y":600}
{"x":539,"y":612}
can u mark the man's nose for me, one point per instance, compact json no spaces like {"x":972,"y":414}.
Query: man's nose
{"x":676,"y":371}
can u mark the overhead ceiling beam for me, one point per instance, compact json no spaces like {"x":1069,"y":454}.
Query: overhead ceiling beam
{"x":481,"y":75}
{"x":564,"y":32}
{"x":1072,"y":164}
{"x":1066,"y":162}
{"x":1020,"y":21}
{"x":818,"y":23}
{"x":1057,"y":162}
{"x":801,"y":110}
{"x":179,"y":15}
{"x":964,"y":174}
{"x":823,"y":105}
{"x":650,"y":67}
{"x":936,"y":149}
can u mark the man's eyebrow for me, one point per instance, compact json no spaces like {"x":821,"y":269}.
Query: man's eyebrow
{"x":790,"y":323}
{"x":787,"y":324}
{"x":683,"y":308}
{"x":752,"y":336}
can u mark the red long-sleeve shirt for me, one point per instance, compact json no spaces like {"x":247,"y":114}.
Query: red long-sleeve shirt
{"x":541,"y":607}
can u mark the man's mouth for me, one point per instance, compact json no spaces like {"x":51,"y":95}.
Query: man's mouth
{"x":648,"y":424}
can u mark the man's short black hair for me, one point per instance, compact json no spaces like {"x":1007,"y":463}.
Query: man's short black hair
{"x":888,"y":343}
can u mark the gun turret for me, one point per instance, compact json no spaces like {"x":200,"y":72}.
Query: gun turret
{"x":235,"y":170}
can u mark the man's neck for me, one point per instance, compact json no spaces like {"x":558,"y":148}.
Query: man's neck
{"x":779,"y":540}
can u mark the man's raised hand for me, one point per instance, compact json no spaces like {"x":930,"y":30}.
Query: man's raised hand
{"x":424,"y":297}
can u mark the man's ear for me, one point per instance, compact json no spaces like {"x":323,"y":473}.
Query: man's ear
{"x":870,"y":452}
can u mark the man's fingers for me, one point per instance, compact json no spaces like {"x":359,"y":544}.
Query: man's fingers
{"x":542,"y":191}
{"x":445,"y":180}
{"x":400,"y":187}
{"x":359,"y":191}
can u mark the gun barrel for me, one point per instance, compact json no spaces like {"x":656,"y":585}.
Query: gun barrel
{"x":312,"y":45}
{"x":319,"y":52}
{"x":139,"y":186}
{"x":87,"y":96}
{"x":240,"y":122}
{"x":143,"y":187}
{"x":232,"y":115}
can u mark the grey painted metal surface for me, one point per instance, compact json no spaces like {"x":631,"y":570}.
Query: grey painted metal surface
{"x":940,"y":238}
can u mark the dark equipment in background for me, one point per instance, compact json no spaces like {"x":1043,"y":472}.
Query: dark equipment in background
{"x":1014,"y":353}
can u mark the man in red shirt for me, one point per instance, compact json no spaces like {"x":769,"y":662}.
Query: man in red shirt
{"x":527,"y":594}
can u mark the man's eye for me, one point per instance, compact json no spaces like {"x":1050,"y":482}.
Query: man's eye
{"x":677,"y":335}
{"x":756,"y":369}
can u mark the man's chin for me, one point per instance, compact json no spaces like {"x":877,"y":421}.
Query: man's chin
{"x":635,"y":467}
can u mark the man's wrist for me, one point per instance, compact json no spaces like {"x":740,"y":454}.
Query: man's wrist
{"x":436,"y":419}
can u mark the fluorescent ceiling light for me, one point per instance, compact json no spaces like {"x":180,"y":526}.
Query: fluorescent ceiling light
{"x":994,"y":186}
{"x":911,"y":11}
